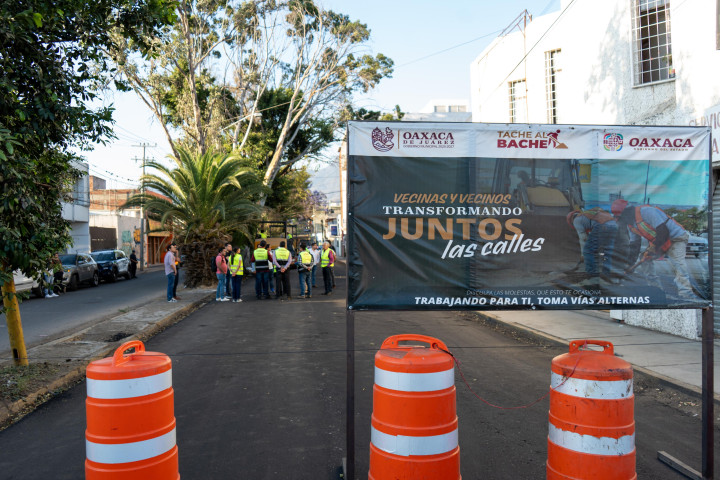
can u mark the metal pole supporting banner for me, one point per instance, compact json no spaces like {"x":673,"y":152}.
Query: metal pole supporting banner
{"x":350,"y":395}
{"x":708,"y":406}
{"x":708,"y":342}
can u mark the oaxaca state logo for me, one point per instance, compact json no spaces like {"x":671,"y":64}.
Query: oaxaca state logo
{"x":382,"y":141}
{"x":613,"y":142}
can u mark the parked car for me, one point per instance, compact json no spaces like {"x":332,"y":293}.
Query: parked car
{"x":23,"y":284}
{"x":79,"y":268}
{"x":697,"y":246}
{"x":112,"y":264}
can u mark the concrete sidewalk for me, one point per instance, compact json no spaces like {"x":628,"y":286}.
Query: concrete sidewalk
{"x":672,"y":359}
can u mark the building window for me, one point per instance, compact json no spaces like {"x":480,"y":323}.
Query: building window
{"x":518,"y":102}
{"x":458,"y":108}
{"x":552,"y":69}
{"x":651,"y":38}
{"x":441,"y":108}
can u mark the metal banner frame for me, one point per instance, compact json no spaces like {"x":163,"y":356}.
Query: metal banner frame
{"x":707,"y":335}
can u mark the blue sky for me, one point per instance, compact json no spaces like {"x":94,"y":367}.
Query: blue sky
{"x":668,"y":182}
{"x":432,"y":44}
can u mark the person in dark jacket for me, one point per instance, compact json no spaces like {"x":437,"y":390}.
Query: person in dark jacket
{"x":132,"y":268}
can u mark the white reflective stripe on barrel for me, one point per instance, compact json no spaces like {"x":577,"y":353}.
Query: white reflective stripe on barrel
{"x":129,"y":388}
{"x":129,"y":452}
{"x":405,"y":446}
{"x":414,"y":382}
{"x":597,"y":389}
{"x":589,"y":444}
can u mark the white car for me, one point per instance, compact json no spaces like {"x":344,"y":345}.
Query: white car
{"x":23,"y":284}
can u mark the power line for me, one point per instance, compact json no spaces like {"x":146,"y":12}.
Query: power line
{"x":137,"y":137}
{"x":531,"y":49}
{"x":449,"y":48}
{"x":547,"y":7}
{"x":113,"y":177}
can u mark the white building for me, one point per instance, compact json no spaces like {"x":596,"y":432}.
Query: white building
{"x":78,"y":212}
{"x":629,"y":62}
{"x":441,"y":110}
{"x":619,"y":62}
{"x":125,"y":229}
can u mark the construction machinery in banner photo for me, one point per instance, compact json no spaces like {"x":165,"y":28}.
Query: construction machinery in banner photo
{"x":545,"y":190}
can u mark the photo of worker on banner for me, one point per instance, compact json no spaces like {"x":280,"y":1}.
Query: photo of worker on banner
{"x":632,"y":244}
{"x":483,"y":216}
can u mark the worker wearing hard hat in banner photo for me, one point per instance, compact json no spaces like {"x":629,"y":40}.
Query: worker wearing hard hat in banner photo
{"x":596,"y":229}
{"x":665,"y":237}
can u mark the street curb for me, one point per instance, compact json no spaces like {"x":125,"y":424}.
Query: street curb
{"x":532,"y":333}
{"x":18,"y":409}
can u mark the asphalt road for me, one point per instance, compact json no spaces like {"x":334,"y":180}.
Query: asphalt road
{"x":45,"y":319}
{"x":260,"y":394}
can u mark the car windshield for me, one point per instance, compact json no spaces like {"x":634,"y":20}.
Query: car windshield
{"x":103,"y":257}
{"x":68,"y":259}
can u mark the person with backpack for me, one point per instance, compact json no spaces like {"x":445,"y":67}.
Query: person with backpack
{"x":221,"y":270}
{"x":236,"y":273}
{"x":305,"y":264}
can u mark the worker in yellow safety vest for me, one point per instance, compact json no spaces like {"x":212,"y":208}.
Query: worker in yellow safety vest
{"x":305,"y":265}
{"x":282,"y":262}
{"x":236,"y":273}
{"x":261,"y":267}
{"x":327,"y":262}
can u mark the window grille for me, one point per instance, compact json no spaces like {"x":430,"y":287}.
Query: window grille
{"x":652,"y":56}
{"x":552,"y":68}
{"x":518,"y":102}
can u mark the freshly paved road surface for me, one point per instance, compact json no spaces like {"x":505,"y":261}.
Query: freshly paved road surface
{"x":45,"y":319}
{"x":260,"y":394}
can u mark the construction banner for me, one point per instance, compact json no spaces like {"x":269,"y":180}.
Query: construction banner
{"x":516,"y":216}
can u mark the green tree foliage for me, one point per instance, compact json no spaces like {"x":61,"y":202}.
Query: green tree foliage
{"x":288,"y":68}
{"x":203,"y":200}
{"x":52,"y":62}
{"x":289,"y":195}
{"x":694,"y":219}
{"x":310,"y":137}
{"x":350,"y":113}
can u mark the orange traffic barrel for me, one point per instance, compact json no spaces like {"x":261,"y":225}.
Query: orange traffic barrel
{"x":414,"y":431}
{"x":592,"y":428}
{"x":131,"y":417}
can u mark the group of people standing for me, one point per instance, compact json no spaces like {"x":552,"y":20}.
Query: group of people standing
{"x":228,"y":266}
{"x":272,"y":269}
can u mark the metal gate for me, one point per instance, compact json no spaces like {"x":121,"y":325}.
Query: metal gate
{"x":102,"y":238}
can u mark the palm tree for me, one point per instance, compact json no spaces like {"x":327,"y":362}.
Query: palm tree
{"x":203,"y":199}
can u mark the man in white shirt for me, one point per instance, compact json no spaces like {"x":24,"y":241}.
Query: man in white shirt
{"x":170,"y":271}
{"x":315,"y":252}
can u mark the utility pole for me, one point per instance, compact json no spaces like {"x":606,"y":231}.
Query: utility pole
{"x":142,"y":209}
